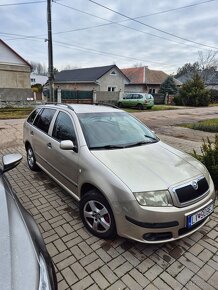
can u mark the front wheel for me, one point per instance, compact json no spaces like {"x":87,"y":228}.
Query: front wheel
{"x":140,"y":107}
{"x":97,"y":215}
{"x":120,"y":105}
{"x":31,"y":160}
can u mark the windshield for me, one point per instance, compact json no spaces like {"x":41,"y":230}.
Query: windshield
{"x":114,"y":130}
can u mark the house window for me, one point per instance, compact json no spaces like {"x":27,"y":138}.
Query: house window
{"x":111,"y":89}
{"x":113,"y":73}
{"x":151,"y":91}
{"x":33,"y":80}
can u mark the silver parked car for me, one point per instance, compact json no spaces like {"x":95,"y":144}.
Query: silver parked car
{"x":127,"y":180}
{"x":24,"y":261}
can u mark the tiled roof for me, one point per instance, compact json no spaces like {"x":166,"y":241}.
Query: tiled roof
{"x":135,"y":75}
{"x":144,"y":75}
{"x":91,"y":74}
{"x":154,"y":77}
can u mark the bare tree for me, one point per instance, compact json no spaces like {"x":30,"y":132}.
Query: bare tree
{"x":206,"y":67}
{"x":38,"y":68}
{"x":208,"y":64}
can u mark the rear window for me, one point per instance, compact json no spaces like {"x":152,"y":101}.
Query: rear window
{"x":33,"y":115}
{"x":43,"y":119}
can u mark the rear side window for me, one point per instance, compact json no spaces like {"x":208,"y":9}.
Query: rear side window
{"x":33,"y":115}
{"x":63,"y":128}
{"x":43,"y":120}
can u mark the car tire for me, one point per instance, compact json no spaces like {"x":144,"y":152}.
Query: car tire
{"x":120,"y":105}
{"x":97,"y":215}
{"x":149,"y":108}
{"x":31,"y":160}
{"x":140,"y":107}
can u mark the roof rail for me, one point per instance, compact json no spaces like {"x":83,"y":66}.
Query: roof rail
{"x":107,"y":105}
{"x":60,"y":104}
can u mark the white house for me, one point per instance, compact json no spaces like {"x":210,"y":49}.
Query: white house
{"x":38,"y":79}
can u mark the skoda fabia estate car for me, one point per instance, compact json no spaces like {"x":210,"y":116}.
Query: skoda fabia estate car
{"x":24,"y":261}
{"x":126,"y":180}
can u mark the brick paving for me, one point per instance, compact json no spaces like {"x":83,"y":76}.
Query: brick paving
{"x":83,"y":261}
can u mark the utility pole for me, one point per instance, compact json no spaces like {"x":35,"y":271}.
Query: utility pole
{"x":50,"y":53}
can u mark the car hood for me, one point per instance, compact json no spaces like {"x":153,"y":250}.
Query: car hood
{"x":154,"y":166}
{"x":19,"y":267}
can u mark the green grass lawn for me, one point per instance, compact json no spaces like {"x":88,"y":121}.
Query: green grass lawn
{"x":206,"y":125}
{"x":154,"y":108}
{"x":14,"y":113}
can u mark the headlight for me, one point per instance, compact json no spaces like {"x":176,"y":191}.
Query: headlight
{"x":44,"y":283}
{"x":154,"y":198}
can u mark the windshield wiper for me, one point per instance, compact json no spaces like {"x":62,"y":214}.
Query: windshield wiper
{"x":152,"y":138}
{"x":143,"y":142}
{"x":106,"y":147}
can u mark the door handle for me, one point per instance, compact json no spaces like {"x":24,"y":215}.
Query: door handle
{"x":31,"y":133}
{"x":49,"y":145}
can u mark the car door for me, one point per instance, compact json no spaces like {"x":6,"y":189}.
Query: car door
{"x":134,"y":100}
{"x":39,"y":136}
{"x":63,"y":163}
{"x":127,"y":101}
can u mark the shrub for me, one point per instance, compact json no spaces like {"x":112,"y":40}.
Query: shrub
{"x":193,"y":93}
{"x":209,"y":158}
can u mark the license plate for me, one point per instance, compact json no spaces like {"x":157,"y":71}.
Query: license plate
{"x":200,"y":215}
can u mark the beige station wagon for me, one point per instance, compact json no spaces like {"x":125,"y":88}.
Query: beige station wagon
{"x":126,"y":180}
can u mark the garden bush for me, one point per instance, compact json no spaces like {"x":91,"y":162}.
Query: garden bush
{"x":209,"y":158}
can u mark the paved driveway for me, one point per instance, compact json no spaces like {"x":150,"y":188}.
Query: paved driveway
{"x":86,"y":262}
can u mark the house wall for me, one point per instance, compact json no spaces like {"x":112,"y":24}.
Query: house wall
{"x":14,"y":82}
{"x":118,"y":81}
{"x":38,"y":79}
{"x":153,"y":87}
{"x":135,"y":88}
{"x":14,"y":76}
{"x":77,"y":86}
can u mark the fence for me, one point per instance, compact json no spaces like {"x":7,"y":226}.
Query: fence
{"x":78,"y":97}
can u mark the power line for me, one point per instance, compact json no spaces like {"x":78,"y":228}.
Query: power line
{"x":24,"y":3}
{"x":64,"y":44}
{"x":118,"y":23}
{"x":152,"y":27}
{"x":21,"y":3}
{"x":173,"y":9}
{"x":68,"y":45}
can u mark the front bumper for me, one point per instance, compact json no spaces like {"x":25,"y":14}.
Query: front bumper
{"x":158,"y":224}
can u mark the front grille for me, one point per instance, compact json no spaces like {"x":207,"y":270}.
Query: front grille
{"x":188,"y":193}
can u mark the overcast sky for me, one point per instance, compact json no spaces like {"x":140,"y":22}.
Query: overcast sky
{"x":101,"y":38}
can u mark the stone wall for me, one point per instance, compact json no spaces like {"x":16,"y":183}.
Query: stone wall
{"x":9,"y":95}
{"x":107,"y":96}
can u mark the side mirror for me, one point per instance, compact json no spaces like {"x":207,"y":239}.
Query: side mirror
{"x":10,"y":161}
{"x":68,"y":145}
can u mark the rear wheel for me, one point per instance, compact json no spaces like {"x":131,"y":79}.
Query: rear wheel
{"x":31,"y":160}
{"x":97,"y":215}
